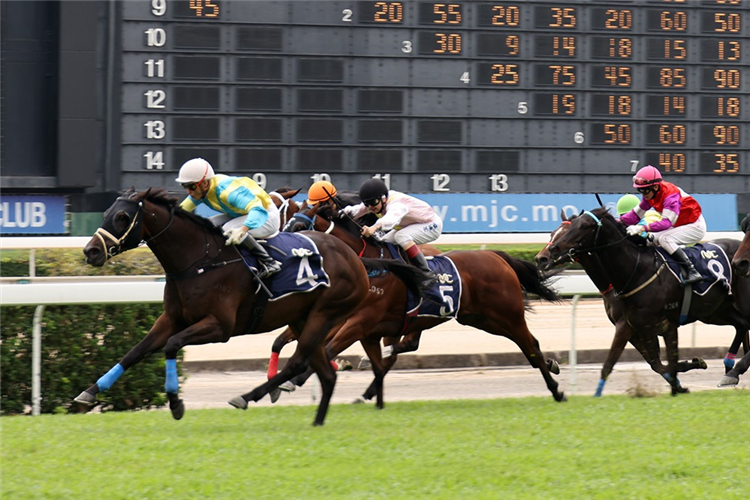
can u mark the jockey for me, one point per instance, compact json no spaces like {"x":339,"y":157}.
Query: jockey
{"x":407,"y":221}
{"x":325,"y":192}
{"x":247,"y":210}
{"x":681,"y":224}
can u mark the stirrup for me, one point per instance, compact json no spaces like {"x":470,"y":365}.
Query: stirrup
{"x":267,"y":269}
{"x":689,"y":280}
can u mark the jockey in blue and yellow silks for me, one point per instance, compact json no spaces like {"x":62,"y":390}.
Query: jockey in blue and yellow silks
{"x":248,"y":211}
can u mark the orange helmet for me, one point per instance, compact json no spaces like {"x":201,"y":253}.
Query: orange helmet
{"x":319,"y":192}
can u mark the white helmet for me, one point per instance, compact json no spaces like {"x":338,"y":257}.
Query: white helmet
{"x":196,"y":170}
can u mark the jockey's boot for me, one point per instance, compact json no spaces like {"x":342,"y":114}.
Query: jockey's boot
{"x":429,"y":291}
{"x":269,"y":265}
{"x":689,"y":273}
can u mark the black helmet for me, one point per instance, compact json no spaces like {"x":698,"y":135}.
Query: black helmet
{"x":372,"y":189}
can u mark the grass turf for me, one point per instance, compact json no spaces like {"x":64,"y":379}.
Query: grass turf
{"x":688,"y":446}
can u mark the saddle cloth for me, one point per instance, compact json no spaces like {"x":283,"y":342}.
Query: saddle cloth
{"x":448,"y":284}
{"x":301,"y":265}
{"x":710,"y":261}
{"x":449,"y":287}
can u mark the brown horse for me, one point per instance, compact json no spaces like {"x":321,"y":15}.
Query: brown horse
{"x":492,"y":299}
{"x":646,"y":343}
{"x":650,"y":300}
{"x":210,"y":294}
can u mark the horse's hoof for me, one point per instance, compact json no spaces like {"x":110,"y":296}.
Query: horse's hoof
{"x":553,"y":367}
{"x":701,"y":364}
{"x":86,"y":398}
{"x":177,"y":409}
{"x":680,"y":390}
{"x":275,"y":395}
{"x":288,"y":386}
{"x":364,"y":363}
{"x":560,"y":397}
{"x":238,"y":402}
{"x":727,"y":381}
{"x":359,"y":400}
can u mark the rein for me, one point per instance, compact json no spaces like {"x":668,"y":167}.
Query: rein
{"x":572,"y":252}
{"x":103,"y":235}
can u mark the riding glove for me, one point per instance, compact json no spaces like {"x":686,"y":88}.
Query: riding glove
{"x":634,"y":230}
{"x":235,"y":236}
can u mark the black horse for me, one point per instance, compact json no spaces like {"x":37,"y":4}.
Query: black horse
{"x":650,"y":299}
{"x":210,"y":295}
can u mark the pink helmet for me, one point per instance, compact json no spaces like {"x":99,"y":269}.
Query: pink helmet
{"x":647,"y":176}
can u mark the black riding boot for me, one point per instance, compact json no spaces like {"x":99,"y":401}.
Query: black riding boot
{"x":269,"y":264}
{"x":429,"y":291}
{"x":689,"y":273}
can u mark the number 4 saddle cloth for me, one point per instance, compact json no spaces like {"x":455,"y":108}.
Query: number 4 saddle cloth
{"x":301,"y":265}
{"x":710,"y":261}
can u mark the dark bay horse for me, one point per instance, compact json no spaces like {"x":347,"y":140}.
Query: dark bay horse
{"x":648,"y":299}
{"x":210,"y":295}
{"x":492,"y":299}
{"x":645,"y":342}
{"x":741,"y":266}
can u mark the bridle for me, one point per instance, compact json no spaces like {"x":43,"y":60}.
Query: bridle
{"x":132,"y":236}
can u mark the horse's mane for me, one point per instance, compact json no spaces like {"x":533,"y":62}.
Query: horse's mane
{"x":603,"y":214}
{"x":162,"y":197}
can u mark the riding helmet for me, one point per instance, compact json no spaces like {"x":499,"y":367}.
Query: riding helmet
{"x":319,"y":192}
{"x":196,"y":170}
{"x":647,"y":176}
{"x":372,"y":189}
{"x":627,"y":203}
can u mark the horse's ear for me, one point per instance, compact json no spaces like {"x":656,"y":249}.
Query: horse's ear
{"x":562,"y":215}
{"x":294,"y":193}
{"x":745,"y":222}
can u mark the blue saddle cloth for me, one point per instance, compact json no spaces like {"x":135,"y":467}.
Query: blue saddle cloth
{"x":710,"y":261}
{"x":449,"y":287}
{"x":301,"y":265}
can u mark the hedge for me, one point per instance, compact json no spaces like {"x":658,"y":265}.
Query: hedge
{"x":79,"y":344}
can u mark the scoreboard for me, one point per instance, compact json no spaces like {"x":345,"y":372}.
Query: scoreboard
{"x":467,"y":96}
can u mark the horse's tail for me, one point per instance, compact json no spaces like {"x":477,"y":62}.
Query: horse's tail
{"x":531,"y":278}
{"x":412,"y":276}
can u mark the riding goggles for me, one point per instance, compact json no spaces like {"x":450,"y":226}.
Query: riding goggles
{"x":645,"y":190}
{"x":190,"y":186}
{"x":371,"y":203}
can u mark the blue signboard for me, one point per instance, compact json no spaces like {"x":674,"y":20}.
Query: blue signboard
{"x":32,"y":215}
{"x":539,"y":213}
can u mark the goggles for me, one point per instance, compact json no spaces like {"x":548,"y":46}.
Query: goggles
{"x":190,"y":186}
{"x":371,"y":203}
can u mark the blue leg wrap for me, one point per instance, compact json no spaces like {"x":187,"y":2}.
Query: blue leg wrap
{"x":667,"y":377}
{"x":109,"y":378}
{"x":600,"y":388}
{"x":729,"y":363}
{"x":172,"y":384}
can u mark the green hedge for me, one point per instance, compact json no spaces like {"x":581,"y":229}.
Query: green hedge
{"x":79,"y":344}
{"x":71,"y":262}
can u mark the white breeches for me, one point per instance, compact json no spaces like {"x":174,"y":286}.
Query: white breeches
{"x":673,"y":238}
{"x":267,"y":230}
{"x":416,"y":233}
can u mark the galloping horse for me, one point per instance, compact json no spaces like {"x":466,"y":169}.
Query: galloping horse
{"x":649,"y":300}
{"x":741,"y":266}
{"x":492,"y":299}
{"x":211,"y":296}
{"x":645,"y":342}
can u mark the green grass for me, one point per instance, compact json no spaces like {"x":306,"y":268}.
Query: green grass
{"x":618,"y":447}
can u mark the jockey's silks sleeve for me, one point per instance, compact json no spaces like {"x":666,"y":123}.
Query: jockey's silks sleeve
{"x":235,"y":196}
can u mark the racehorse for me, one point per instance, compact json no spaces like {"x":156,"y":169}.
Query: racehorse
{"x":646,"y":343}
{"x":741,"y":266}
{"x":210,"y":295}
{"x":492,"y":299}
{"x":649,"y":299}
